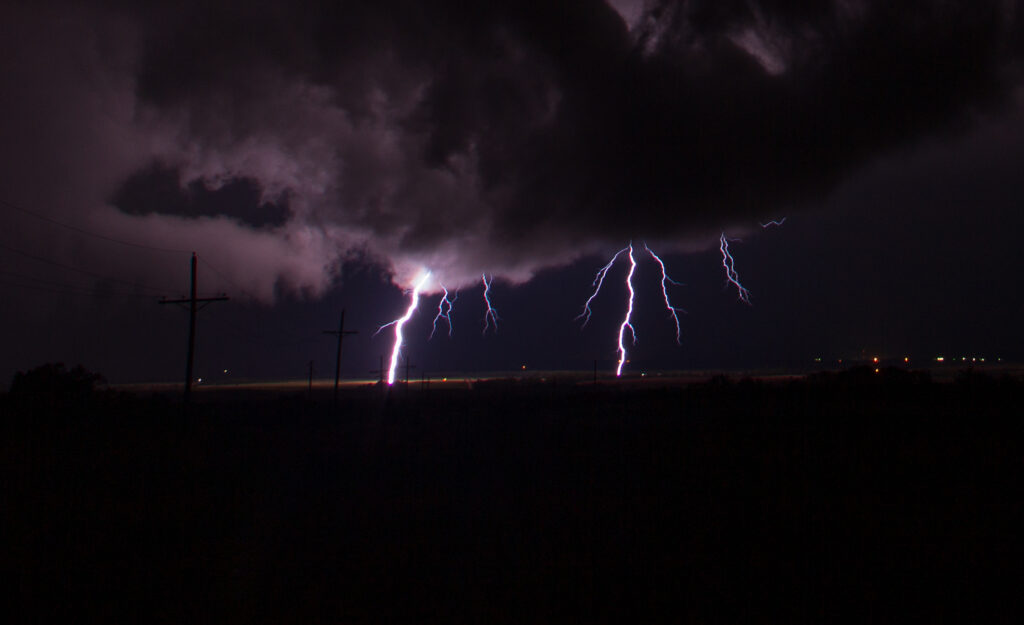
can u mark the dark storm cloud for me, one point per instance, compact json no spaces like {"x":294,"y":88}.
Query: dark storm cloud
{"x":159,"y":190}
{"x":509,"y":136}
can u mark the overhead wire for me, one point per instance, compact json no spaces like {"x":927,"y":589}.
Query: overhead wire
{"x":80,"y":270}
{"x":283,"y":335}
{"x":89,"y":232}
{"x":226,"y":277}
{"x":45,"y":285}
{"x":78,"y":288}
{"x":67,"y":291}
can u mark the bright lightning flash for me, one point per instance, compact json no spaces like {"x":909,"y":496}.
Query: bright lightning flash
{"x":491,"y":316}
{"x":672,"y":310}
{"x":444,"y":311}
{"x":598,"y":281}
{"x":629,"y":314}
{"x":626,"y":323}
{"x":731,"y":276}
{"x":774,"y":222}
{"x":398,"y":323}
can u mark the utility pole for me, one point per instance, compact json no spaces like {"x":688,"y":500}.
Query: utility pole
{"x":408,"y":366}
{"x":380,"y":370}
{"x":192,"y":302}
{"x":337,"y":363}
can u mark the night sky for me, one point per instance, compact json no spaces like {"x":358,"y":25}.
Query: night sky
{"x":321,"y":156}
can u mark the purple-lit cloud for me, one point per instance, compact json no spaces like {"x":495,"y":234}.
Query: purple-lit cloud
{"x":498,"y":138}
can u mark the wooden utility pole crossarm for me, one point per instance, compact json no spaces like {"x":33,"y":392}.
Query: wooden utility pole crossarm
{"x":341,"y":333}
{"x":193,"y":308}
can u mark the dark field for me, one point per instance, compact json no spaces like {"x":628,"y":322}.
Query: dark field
{"x":843,"y":497}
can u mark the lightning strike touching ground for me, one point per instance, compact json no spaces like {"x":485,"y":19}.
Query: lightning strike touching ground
{"x":598,"y":281}
{"x":398,"y":323}
{"x":774,"y":222}
{"x":444,"y":311}
{"x":672,"y":310}
{"x":629,"y":314}
{"x":491,"y":316}
{"x":731,"y":276}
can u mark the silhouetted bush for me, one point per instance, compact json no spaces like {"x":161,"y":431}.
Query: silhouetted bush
{"x":54,"y":385}
{"x":719,"y":382}
{"x":975,"y":380}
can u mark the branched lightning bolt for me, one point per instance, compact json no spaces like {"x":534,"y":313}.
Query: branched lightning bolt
{"x":443,"y":312}
{"x":731,"y":276}
{"x":672,"y":310}
{"x":398,"y":323}
{"x":629,"y":314}
{"x":598,"y":281}
{"x":491,"y":316}
{"x":774,"y":222}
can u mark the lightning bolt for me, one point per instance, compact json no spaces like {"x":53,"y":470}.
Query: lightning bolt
{"x":444,"y":313}
{"x":598,"y":281}
{"x":731,"y":276}
{"x":629,"y":314}
{"x":491,"y":316}
{"x":398,"y":323}
{"x":672,"y":310}
{"x":774,"y":222}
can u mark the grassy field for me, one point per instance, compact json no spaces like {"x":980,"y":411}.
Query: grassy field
{"x":848,"y":496}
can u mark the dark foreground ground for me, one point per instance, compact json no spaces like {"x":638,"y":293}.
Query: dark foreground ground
{"x":848,"y":497}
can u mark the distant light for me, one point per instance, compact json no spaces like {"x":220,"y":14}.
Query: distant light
{"x":199,"y":380}
{"x":817,"y":360}
{"x":876,"y":369}
{"x":523,"y":367}
{"x":225,"y":371}
{"x":906,"y":359}
{"x":981,"y":359}
{"x":940,"y":359}
{"x":875,"y":359}
{"x":444,"y":379}
{"x":643,"y":374}
{"x":974,"y":360}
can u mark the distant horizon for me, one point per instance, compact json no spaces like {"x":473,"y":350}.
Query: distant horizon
{"x":945,"y":369}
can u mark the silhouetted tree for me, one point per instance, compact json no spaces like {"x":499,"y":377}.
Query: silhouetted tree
{"x":54,"y":385}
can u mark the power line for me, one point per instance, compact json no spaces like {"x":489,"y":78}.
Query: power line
{"x":89,"y":232}
{"x":84,"y":271}
{"x":51,"y":283}
{"x":228,"y":279}
{"x":289,"y":336}
{"x":82,"y":293}
{"x":235,"y":329}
